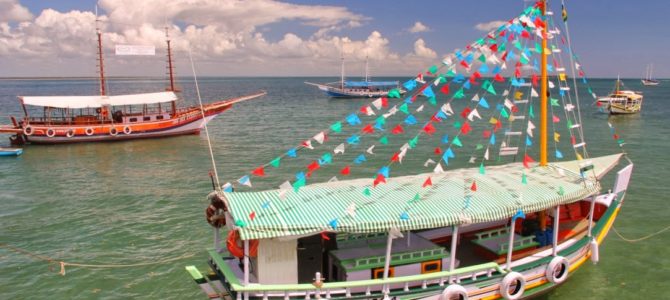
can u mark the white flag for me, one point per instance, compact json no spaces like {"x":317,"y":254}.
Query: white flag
{"x":402,"y":154}
{"x":369,"y":111}
{"x":339,"y":149}
{"x":551,"y":85}
{"x":438,"y":169}
{"x":486,"y":154}
{"x":446,"y":109}
{"x":391,"y":112}
{"x":474,"y":113}
{"x":370,"y":149}
{"x":569,"y":107}
{"x":529,"y":131}
{"x":320,"y":137}
{"x":308,"y":144}
{"x":505,"y":93}
{"x":333,"y":179}
{"x":135,"y":50}
{"x":420,"y":109}
{"x":508,"y":104}
{"x":533,"y":93}
{"x":472,"y":159}
{"x":428,"y":163}
{"x":476,"y":97}
{"x":377,"y":103}
{"x":395,"y":233}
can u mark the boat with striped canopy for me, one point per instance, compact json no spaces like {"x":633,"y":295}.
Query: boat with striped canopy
{"x":479,"y":219}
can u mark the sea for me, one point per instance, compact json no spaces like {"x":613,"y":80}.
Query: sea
{"x":137,"y":208}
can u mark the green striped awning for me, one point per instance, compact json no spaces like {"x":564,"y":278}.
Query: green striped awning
{"x":499,"y":194}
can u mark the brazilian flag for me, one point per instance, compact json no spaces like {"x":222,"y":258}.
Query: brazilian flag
{"x":564,"y":13}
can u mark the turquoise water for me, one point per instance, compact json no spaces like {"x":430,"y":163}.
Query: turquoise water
{"x":143,"y":201}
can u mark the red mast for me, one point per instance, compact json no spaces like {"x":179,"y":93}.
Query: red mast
{"x":170,"y":69}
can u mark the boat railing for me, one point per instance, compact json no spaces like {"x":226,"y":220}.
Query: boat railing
{"x":346,"y":288}
{"x":519,"y":243}
{"x":492,"y":233}
{"x":397,"y":257}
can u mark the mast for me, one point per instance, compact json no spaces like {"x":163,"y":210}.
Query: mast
{"x":366,"y":69}
{"x":543,"y":89}
{"x":342,"y":69}
{"x":101,"y":64}
{"x":170,"y":69}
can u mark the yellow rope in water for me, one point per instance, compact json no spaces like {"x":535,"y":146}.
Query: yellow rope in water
{"x":97,"y":266}
{"x":642,"y":238}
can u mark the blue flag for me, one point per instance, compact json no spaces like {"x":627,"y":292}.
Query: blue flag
{"x":353,"y":119}
{"x":409,"y":85}
{"x":483,"y":103}
{"x":410,"y":120}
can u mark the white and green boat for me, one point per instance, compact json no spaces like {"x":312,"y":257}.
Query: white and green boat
{"x":494,"y":230}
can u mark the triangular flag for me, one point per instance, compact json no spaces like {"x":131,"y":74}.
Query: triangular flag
{"x":524,"y":179}
{"x":370,"y":149}
{"x":380,"y":179}
{"x":275,"y":162}
{"x":527,"y":160}
{"x":377,"y":103}
{"x":429,"y":128}
{"x":420,"y":108}
{"x":486,"y":154}
{"x":245,"y":181}
{"x":457,"y":142}
{"x":333,"y":223}
{"x":227,"y":187}
{"x":384,"y":140}
{"x":530,"y":128}
{"x":320,"y":137}
{"x":308,"y":144}
{"x":260,"y":172}
{"x":428,"y":162}
{"x":557,"y":137}
{"x":345,"y":171}
{"x":428,"y":182}
{"x":481,"y":168}
{"x":339,"y":149}
{"x":438,"y":169}
{"x":473,"y":187}
{"x":337,"y":127}
{"x":351,"y":210}
{"x":474,"y":114}
{"x":367,"y":192}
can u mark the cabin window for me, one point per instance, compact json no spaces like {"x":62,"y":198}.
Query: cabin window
{"x":379,"y":273}
{"x":431,"y":266}
{"x":147,"y":118}
{"x":159,"y":117}
{"x":132,"y":120}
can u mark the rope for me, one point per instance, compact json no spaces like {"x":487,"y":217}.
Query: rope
{"x":62,"y":264}
{"x":642,"y":238}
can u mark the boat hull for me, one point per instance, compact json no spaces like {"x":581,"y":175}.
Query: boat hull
{"x":11,"y":151}
{"x":650,"y":82}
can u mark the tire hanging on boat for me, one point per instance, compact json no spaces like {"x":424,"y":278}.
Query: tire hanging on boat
{"x":236,"y":247}
{"x":69,"y":133}
{"x":454,"y":291}
{"x":127,"y":130}
{"x":113,"y":131}
{"x":557,"y":270}
{"x":512,"y":278}
{"x":51,"y":132}
{"x":89,"y":131}
{"x":28,"y":130}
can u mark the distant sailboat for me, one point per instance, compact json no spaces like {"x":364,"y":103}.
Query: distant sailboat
{"x":648,"y":81}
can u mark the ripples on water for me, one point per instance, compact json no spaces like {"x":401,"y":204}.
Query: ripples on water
{"x":140,"y":201}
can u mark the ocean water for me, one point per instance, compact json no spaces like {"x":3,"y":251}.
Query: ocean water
{"x":143,"y":201}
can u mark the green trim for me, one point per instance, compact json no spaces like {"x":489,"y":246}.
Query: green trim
{"x":224,"y":268}
{"x":396,"y":260}
{"x":194,"y":273}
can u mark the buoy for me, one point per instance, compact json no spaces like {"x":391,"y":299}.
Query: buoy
{"x":51,"y":132}
{"x":594,"y":251}
{"x":512,"y":286}
{"x":557,"y":270}
{"x":69,"y":133}
{"x":28,"y":130}
{"x":89,"y":131}
{"x":454,"y":291}
{"x":236,"y":248}
{"x":113,"y":131}
{"x":127,"y":130}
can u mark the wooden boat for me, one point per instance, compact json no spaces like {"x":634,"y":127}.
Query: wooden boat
{"x":510,"y":229}
{"x":10,"y":151}
{"x":648,"y":79}
{"x":72,"y":119}
{"x":621,"y":101}
{"x":359,"y":89}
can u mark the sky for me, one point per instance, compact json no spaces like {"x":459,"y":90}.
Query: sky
{"x":307,"y":38}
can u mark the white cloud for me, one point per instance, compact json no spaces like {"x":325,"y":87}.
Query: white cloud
{"x":489,"y":25}
{"x":418,"y":27}
{"x":421,"y":50}
{"x":12,"y":11}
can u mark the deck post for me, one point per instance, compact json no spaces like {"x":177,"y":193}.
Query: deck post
{"x":557,"y":215}
{"x":452,"y":258}
{"x":246,"y":267}
{"x":387,"y":262}
{"x":592,"y":209}
{"x":217,"y":239}
{"x":510,"y":247}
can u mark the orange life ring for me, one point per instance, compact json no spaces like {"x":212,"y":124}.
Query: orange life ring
{"x":236,"y":248}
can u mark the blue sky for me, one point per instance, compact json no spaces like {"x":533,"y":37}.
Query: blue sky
{"x":611,"y":37}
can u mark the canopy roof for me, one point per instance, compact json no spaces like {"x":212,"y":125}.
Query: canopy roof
{"x":449,"y":201}
{"x":98,"y":101}
{"x":369,"y":83}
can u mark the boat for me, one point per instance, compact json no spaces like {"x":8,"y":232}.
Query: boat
{"x":10,"y":151}
{"x":104,"y":117}
{"x":648,"y":80}
{"x":358,"y":89}
{"x":621,"y":101}
{"x":506,"y":226}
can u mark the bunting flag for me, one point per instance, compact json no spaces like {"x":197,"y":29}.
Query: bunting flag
{"x":346,"y":170}
{"x":519,"y":215}
{"x":482,"y":171}
{"x":428,"y":163}
{"x":308,"y":144}
{"x":245,"y":181}
{"x":397,"y":129}
{"x":524,"y":179}
{"x":473,"y":187}
{"x":428,"y":182}
{"x":260,"y":172}
{"x":527,"y":160}
{"x":429,"y":128}
{"x":369,"y":151}
{"x":380,"y":179}
{"x":275,"y":162}
{"x":530,"y":128}
{"x":339,"y":149}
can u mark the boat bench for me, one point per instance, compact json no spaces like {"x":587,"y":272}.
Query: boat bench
{"x":496,"y":241}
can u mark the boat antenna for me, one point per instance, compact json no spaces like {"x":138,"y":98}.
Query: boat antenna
{"x":170,"y":68}
{"x":366,"y":69}
{"x":101,"y":64}
{"x":202,"y":112}
{"x":544,"y":91}
{"x":342,"y":68}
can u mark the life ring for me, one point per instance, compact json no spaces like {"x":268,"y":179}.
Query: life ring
{"x":51,"y":132}
{"x":594,"y":251}
{"x":512,"y":285}
{"x":454,"y":291}
{"x":236,"y":247}
{"x":127,"y":130}
{"x":113,"y":131}
{"x":557,"y":270}
{"x":69,"y":133}
{"x":89,"y":131}
{"x":28,"y":130}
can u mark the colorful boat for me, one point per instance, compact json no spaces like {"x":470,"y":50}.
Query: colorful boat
{"x":648,"y":79}
{"x":104,"y":117}
{"x":507,"y":227}
{"x":10,"y":151}
{"x":358,"y":89}
{"x":621,"y":101}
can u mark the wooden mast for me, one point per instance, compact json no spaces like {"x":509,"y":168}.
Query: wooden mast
{"x":101,"y":64}
{"x":170,"y":70}
{"x":543,"y":89}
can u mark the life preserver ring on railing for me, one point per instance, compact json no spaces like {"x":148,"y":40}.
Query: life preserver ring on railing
{"x":89,"y":131}
{"x":454,"y":291}
{"x":236,"y":247}
{"x":557,"y":270}
{"x":69,"y":133}
{"x":28,"y":130}
{"x":127,"y":130}
{"x":113,"y":131}
{"x":51,"y":132}
{"x":512,"y":286}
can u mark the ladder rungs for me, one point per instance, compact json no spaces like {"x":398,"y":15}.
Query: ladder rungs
{"x":512,"y":133}
{"x":574,"y":126}
{"x":518,"y":117}
{"x":525,"y":84}
{"x":556,"y":50}
{"x":579,"y":145}
{"x":506,"y":151}
{"x":560,"y":69}
{"x":565,"y":88}
{"x":520,"y":101}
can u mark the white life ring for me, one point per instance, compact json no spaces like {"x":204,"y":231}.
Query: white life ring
{"x":557,"y":270}
{"x":127,"y":130}
{"x":89,"y":131}
{"x":28,"y":130}
{"x":594,"y":251}
{"x":515,"y":282}
{"x":70,"y":133}
{"x":454,"y":291}
{"x":113,"y":131}
{"x":51,"y":132}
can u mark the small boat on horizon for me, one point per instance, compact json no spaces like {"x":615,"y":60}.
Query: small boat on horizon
{"x":359,"y":89}
{"x":621,"y":101}
{"x":104,"y":117}
{"x":648,"y":79}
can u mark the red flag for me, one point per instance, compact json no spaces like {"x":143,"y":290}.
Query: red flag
{"x":380,"y":179}
{"x":573,"y":140}
{"x":429,"y":128}
{"x":535,"y":79}
{"x":514,"y":109}
{"x":428,"y":182}
{"x":616,"y":136}
{"x":438,"y":150}
{"x":260,"y":172}
{"x":465,"y":129}
{"x":345,"y":171}
{"x":598,"y":104}
{"x":396,"y":156}
{"x":313,"y":166}
{"x":499,"y":78}
{"x":445,"y":89}
{"x":497,"y":127}
{"x":504,"y":56}
{"x":435,"y":119}
{"x":527,"y":160}
{"x":464,"y":64}
{"x":324,"y":236}
{"x":486,"y":134}
{"x":494,"y":47}
{"x":364,"y":109}
{"x":252,"y":215}
{"x":477,"y":75}
{"x":397,"y":129}
{"x":539,"y":22}
{"x":502,"y":33}
{"x":368,"y":129}
{"x":473,"y":187}
{"x":466,"y":111}
{"x":525,"y":34}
